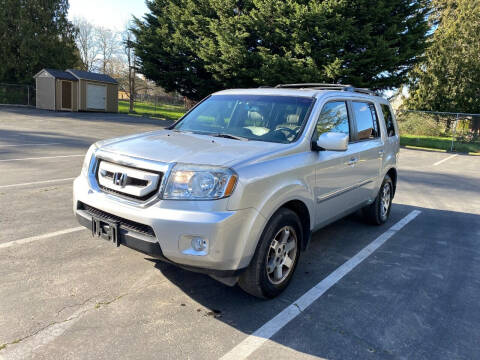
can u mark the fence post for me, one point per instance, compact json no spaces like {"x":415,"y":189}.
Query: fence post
{"x":454,"y":133}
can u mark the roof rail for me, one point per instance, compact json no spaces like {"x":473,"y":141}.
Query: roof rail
{"x":320,"y":86}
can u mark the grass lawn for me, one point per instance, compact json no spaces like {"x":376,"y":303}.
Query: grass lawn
{"x":437,"y":142}
{"x":170,"y":112}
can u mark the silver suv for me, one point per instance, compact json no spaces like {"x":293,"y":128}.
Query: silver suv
{"x":235,"y":188}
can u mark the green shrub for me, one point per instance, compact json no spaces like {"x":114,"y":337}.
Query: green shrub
{"x":421,"y":124}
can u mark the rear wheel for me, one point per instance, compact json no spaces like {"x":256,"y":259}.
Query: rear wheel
{"x":377,"y":212}
{"x":276,"y":257}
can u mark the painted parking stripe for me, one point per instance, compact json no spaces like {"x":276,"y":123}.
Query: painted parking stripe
{"x":36,"y":183}
{"x":40,"y":237}
{"x":41,"y":158}
{"x":261,"y":335}
{"x":443,"y":160}
{"x":27,"y":144}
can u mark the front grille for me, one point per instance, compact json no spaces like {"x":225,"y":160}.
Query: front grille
{"x":122,"y":194}
{"x":123,"y":223}
{"x":130,"y":181}
{"x":139,"y":183}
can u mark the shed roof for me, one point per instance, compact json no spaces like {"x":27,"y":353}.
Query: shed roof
{"x":87,"y":75}
{"x":58,"y":74}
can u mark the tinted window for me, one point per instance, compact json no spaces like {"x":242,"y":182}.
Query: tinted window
{"x":387,"y":115}
{"x":334,"y":118}
{"x":254,"y":117}
{"x":366,"y":118}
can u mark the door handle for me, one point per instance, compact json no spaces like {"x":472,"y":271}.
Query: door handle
{"x":352,"y":161}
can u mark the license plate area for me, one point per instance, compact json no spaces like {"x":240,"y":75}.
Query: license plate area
{"x":107,"y":230}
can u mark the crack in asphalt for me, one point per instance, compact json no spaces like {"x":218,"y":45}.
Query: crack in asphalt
{"x":97,"y":305}
{"x":75,"y":305}
{"x":370,"y":347}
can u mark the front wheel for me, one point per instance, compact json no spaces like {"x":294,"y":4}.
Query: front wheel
{"x":276,"y":257}
{"x":377,"y":212}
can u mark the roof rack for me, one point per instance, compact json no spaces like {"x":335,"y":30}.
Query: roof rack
{"x":320,"y":86}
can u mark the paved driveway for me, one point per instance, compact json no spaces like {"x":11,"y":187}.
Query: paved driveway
{"x":65,"y":295}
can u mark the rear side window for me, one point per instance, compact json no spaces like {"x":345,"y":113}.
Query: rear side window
{"x":387,"y":115}
{"x":366,"y":119}
{"x":334,"y":118}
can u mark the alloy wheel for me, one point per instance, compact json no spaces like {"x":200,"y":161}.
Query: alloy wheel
{"x":386,"y":199}
{"x":281,"y":255}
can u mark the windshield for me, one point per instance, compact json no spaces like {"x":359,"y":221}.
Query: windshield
{"x":252,"y":117}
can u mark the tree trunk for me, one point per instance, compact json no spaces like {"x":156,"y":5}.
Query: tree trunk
{"x":188,"y":103}
{"x":131,"y":83}
{"x":476,"y":125}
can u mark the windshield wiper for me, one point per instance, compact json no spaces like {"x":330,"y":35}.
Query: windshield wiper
{"x":230,"y":136}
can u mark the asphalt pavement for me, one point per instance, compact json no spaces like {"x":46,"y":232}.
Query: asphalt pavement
{"x":66,"y":295}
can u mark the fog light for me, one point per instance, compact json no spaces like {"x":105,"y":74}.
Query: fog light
{"x":199,"y":244}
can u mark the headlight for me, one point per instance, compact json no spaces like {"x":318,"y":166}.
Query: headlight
{"x":198,"y":182}
{"x":88,"y":158}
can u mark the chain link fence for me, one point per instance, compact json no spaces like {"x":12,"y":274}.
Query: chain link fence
{"x":14,"y":94}
{"x":163,"y":106}
{"x":440,"y":130}
{"x":160,"y":99}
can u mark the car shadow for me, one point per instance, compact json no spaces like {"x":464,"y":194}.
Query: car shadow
{"x":330,"y":248}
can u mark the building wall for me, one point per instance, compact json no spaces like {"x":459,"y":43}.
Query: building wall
{"x":112,"y":98}
{"x":45,"y":93}
{"x":82,"y":95}
{"x":58,"y":95}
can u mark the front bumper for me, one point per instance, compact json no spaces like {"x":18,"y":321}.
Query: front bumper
{"x":228,"y":233}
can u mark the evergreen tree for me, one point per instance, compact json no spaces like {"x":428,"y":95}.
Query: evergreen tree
{"x":449,"y":77}
{"x":34,"y":34}
{"x":198,"y":46}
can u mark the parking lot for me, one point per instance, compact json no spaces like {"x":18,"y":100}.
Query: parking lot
{"x":66,"y":295}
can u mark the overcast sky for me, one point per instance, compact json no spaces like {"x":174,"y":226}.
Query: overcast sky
{"x":112,"y":14}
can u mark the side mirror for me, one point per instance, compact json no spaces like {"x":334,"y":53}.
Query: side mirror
{"x":332,"y":141}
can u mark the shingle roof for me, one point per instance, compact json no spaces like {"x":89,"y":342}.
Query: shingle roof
{"x":87,"y":75}
{"x":59,"y":74}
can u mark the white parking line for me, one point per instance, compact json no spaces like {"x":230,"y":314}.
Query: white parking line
{"x":26,"y":144}
{"x":40,"y":237}
{"x":261,"y":335}
{"x":44,"y":157}
{"x":443,"y":160}
{"x":36,"y":183}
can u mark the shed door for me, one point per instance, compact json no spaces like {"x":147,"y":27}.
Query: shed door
{"x":96,"y":95}
{"x":66,"y":95}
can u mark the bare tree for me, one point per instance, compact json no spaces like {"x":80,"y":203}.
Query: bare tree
{"x":87,"y":43}
{"x":109,"y":45}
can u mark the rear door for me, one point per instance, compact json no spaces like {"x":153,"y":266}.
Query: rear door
{"x":392,"y":140}
{"x":367,"y":147}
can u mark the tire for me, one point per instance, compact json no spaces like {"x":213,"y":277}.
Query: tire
{"x":377,"y":212}
{"x":269,"y":272}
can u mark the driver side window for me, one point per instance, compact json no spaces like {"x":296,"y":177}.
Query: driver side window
{"x":333,"y":118}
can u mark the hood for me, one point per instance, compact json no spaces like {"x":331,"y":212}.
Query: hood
{"x":171,"y":146}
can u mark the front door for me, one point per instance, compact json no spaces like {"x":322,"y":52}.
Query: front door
{"x":67,"y":95}
{"x":336,"y":175}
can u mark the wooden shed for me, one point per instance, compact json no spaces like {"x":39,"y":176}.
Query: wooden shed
{"x":76,"y":90}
